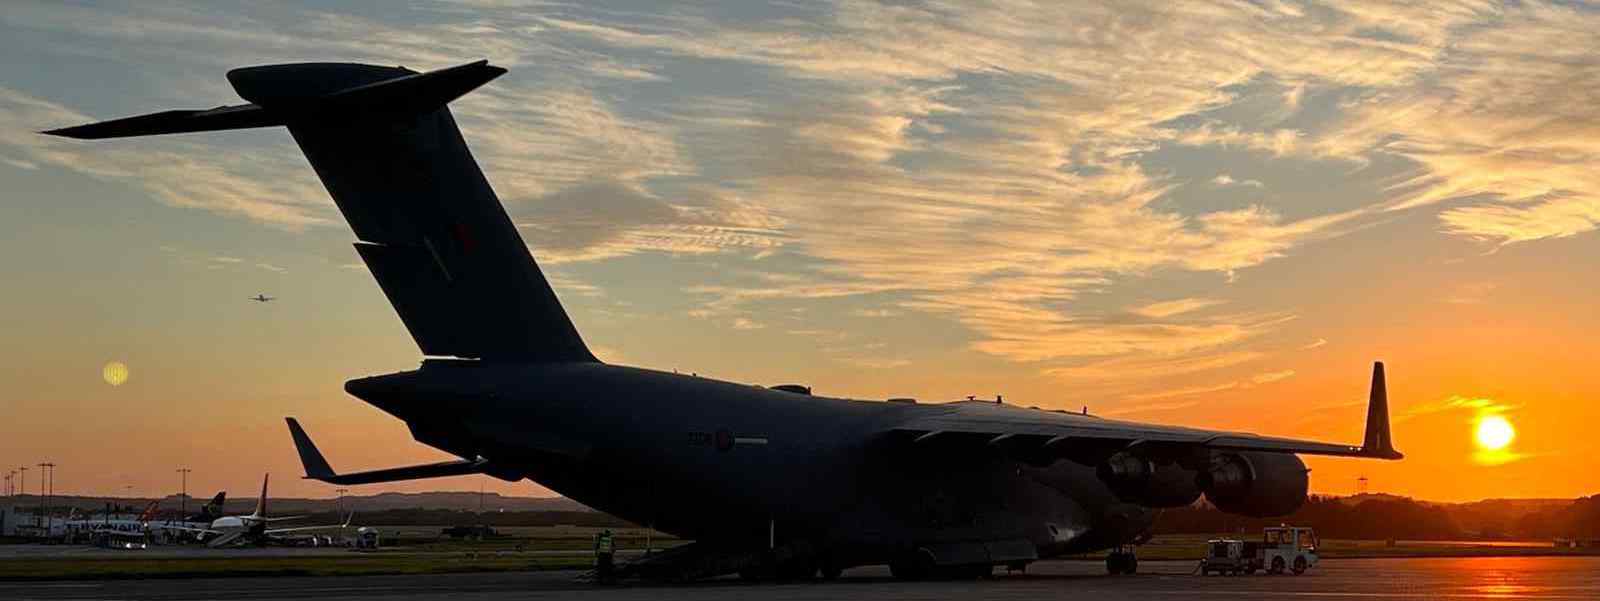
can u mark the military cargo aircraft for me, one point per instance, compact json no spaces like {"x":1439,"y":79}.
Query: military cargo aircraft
{"x":768,"y":482}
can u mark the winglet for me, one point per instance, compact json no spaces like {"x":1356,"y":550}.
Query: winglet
{"x":1378,"y":442}
{"x":316,"y":466}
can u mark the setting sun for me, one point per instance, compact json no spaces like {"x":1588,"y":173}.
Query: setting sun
{"x":1495,"y":433}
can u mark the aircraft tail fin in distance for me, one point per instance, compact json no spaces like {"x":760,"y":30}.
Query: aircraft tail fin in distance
{"x":261,"y":501}
{"x":214,"y":508}
{"x":149,"y":512}
{"x":1378,"y":442}
{"x":430,"y":227}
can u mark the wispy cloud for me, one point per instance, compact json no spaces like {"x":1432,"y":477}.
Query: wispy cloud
{"x":1272,"y":376}
{"x":995,"y":178}
{"x":1227,"y":180}
{"x":1163,"y":309}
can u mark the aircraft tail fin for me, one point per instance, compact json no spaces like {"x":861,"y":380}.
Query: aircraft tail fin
{"x":429,"y":226}
{"x":213,"y":509}
{"x":149,"y":512}
{"x":261,"y":501}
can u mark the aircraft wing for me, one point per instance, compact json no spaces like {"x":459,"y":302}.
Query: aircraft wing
{"x":317,"y":467}
{"x":184,"y":529}
{"x":1064,"y":434}
{"x":276,"y":531}
{"x":346,"y":524}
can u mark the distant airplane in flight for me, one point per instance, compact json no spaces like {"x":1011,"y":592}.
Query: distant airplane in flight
{"x":767,"y":482}
{"x":262,"y":298}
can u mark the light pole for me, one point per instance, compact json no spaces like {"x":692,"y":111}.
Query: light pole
{"x":46,"y":467}
{"x":183,"y":494}
{"x":341,"y":492}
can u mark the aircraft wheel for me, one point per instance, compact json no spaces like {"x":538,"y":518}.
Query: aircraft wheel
{"x":796,"y":572}
{"x":974,"y":572}
{"x":1277,"y":566}
{"x":1299,"y":566}
{"x":1121,"y":563}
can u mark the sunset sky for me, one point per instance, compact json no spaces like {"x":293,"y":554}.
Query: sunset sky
{"x":1214,"y":215}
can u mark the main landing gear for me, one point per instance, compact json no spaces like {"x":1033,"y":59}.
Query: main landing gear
{"x":1122,"y":560}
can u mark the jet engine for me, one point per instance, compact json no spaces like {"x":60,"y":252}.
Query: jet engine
{"x":1136,"y":479}
{"x":1255,"y":484}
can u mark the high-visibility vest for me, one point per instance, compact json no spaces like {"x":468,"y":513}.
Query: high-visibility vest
{"x":603,"y":544}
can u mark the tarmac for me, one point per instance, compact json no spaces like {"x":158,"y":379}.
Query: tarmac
{"x":204,"y":552}
{"x":1435,"y":578}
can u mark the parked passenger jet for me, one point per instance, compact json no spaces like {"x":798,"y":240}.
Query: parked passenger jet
{"x":251,"y":529}
{"x":769,"y":482}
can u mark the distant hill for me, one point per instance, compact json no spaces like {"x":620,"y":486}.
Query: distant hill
{"x":1369,"y":516}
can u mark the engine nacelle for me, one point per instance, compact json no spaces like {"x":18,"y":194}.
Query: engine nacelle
{"x":1139,"y":480}
{"x":1254,"y":484}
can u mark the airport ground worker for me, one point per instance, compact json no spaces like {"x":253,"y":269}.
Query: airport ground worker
{"x":604,"y":554}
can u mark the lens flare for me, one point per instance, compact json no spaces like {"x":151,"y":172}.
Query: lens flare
{"x":1495,"y":433}
{"x":115,"y":373}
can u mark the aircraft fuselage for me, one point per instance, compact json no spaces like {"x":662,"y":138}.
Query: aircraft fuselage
{"x":711,"y":460}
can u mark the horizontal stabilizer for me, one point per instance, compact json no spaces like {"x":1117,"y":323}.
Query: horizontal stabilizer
{"x":243,"y":116}
{"x":317,"y":467}
{"x":408,"y":94}
{"x":411,"y":94}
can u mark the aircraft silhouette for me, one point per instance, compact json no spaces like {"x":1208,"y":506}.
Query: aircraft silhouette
{"x":262,"y":298}
{"x":767,"y":481}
